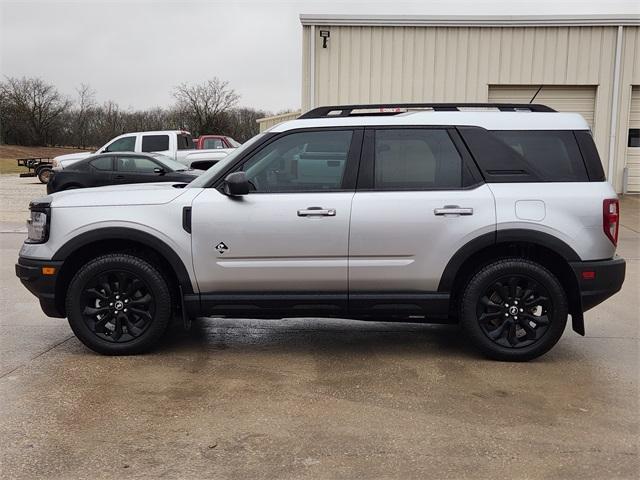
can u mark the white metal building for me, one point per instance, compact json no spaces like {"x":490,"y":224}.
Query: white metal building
{"x":585,"y":64}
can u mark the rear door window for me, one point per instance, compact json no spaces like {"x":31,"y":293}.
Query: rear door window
{"x":155,"y":143}
{"x":553,"y":154}
{"x":416,"y":159}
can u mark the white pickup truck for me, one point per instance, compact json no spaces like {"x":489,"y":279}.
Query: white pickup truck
{"x":176,"y":144}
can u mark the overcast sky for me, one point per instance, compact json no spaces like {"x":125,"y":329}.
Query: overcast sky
{"x":135,"y":51}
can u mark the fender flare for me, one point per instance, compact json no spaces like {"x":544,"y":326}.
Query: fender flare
{"x":502,"y":236}
{"x":123,"y":233}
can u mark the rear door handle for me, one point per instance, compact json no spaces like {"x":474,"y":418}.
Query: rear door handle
{"x":452,"y":210}
{"x":317,"y":211}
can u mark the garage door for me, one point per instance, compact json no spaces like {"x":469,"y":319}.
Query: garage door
{"x":578,"y":99}
{"x":633,"y":143}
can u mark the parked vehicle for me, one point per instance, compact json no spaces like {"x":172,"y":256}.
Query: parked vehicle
{"x":119,"y":169}
{"x":501,"y":221}
{"x":176,"y":144}
{"x":215,"y":142}
{"x":40,"y":167}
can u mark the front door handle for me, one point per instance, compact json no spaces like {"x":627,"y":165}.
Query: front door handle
{"x":317,"y":211}
{"x":452,"y":210}
{"x":119,"y":177}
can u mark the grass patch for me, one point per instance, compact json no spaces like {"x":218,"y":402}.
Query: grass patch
{"x":10,"y":153}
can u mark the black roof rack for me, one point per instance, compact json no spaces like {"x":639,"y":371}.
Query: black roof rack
{"x":389,"y":108}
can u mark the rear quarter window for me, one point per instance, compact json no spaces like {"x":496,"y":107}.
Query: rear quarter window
{"x":516,"y":156}
{"x":185,"y":142}
{"x":553,"y":154}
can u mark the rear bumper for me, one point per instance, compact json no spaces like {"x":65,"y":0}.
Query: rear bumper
{"x":29,"y":272}
{"x":606,"y":280}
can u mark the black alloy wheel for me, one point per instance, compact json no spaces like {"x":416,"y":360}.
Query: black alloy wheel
{"x":118,"y":306}
{"x":515,"y":311}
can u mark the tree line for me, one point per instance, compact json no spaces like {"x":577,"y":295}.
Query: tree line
{"x":33,"y":112}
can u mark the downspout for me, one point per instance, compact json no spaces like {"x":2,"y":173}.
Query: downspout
{"x":615,"y":105}
{"x":312,"y":68}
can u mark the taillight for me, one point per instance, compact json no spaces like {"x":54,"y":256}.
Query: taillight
{"x":611,"y":219}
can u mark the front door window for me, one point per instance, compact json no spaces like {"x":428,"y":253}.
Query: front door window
{"x":301,"y":162}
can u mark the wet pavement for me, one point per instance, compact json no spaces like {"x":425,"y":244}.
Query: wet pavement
{"x":309,"y":398}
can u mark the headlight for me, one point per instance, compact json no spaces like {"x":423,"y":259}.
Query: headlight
{"x":38,"y":224}
{"x":55,"y":163}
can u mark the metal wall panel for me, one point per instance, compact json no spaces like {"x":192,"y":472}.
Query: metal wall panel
{"x":369,"y":64}
{"x":268,"y":122}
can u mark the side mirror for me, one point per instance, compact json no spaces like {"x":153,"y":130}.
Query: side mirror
{"x":159,"y":170}
{"x":236,"y":184}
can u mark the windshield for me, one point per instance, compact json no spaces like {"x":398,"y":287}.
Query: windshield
{"x":170,"y":163}
{"x":206,"y":177}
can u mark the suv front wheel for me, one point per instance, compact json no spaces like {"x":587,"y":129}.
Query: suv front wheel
{"x":514,"y":309}
{"x":118,"y":304}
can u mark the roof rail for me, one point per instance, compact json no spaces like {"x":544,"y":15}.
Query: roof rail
{"x":396,"y":108}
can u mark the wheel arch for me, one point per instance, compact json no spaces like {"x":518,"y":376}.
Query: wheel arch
{"x":549,"y":251}
{"x":81,"y":249}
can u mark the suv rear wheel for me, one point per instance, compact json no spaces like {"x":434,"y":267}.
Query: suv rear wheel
{"x":514,"y":309}
{"x":118,"y":304}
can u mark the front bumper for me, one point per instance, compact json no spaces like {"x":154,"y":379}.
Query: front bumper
{"x":598,"y":280}
{"x":29,"y":272}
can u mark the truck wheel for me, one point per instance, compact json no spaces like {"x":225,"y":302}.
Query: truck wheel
{"x":118,"y":304}
{"x":44,"y":174}
{"x":514,"y":309}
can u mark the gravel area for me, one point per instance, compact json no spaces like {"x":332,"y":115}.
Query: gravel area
{"x":15,"y":195}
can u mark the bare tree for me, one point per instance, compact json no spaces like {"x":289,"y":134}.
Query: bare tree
{"x":34,"y":113}
{"x":243,"y":123}
{"x":202,"y":106}
{"x":34,"y":107}
{"x":83,"y":112}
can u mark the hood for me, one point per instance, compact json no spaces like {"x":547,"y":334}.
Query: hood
{"x":66,"y":160}
{"x":117,"y":195}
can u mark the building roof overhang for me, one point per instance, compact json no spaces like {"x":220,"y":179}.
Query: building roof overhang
{"x":470,"y":20}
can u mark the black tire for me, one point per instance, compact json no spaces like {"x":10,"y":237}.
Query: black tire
{"x":44,"y":174}
{"x":97,"y":301}
{"x":514,"y":310}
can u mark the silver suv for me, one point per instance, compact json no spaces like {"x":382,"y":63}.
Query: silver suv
{"x":496,"y":217}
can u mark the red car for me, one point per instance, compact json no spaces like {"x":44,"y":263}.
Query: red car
{"x":214,"y":141}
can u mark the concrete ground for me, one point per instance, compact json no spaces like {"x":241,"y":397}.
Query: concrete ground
{"x":310,"y":398}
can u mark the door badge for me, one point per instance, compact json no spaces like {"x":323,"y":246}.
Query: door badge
{"x":221,"y":248}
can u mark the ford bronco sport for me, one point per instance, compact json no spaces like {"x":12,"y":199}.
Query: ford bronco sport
{"x":497,"y":217}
